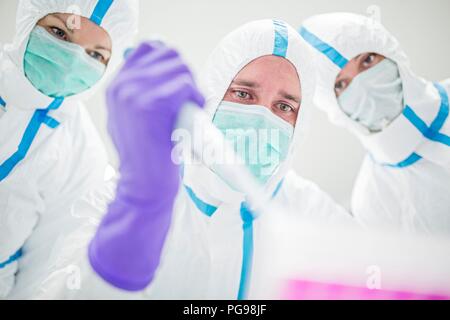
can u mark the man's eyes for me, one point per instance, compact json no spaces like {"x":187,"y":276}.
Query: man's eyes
{"x":340,"y":85}
{"x":285,"y":107}
{"x":242,"y":94}
{"x":369,"y":59}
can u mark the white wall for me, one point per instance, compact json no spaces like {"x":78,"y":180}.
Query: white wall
{"x":331,"y":157}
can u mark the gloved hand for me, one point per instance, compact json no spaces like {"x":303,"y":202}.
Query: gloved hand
{"x":144,"y":101}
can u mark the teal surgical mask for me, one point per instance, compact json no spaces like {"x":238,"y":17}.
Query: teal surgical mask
{"x":59,"y":68}
{"x":259,"y":137}
{"x":375,"y":97}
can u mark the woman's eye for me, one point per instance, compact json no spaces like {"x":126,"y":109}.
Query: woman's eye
{"x":242,"y":94}
{"x":61,"y":34}
{"x":96,"y":56}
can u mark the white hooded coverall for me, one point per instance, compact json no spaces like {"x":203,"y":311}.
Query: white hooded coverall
{"x":50,"y":152}
{"x":214,"y":237}
{"x":404,"y":182}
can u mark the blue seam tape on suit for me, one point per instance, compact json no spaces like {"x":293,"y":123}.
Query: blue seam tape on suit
{"x":39,"y":117}
{"x":281,"y":39}
{"x":2,"y":102}
{"x":11,"y":259}
{"x":412,"y":159}
{"x":50,"y":122}
{"x":321,"y":46}
{"x":205,"y":208}
{"x":247,"y":252}
{"x":432,"y":133}
{"x":277,"y":189}
{"x":247,"y":246}
{"x":100,"y":10}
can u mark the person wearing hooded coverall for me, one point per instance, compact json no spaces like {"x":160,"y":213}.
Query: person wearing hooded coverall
{"x":50,"y":152}
{"x":195,"y":238}
{"x":404,"y":182}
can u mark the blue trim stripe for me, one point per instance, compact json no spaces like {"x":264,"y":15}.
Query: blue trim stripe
{"x":39,"y":117}
{"x":11,"y":259}
{"x":432,"y":133}
{"x":208,"y":209}
{"x":412,"y":159}
{"x":2,"y":102}
{"x":324,"y":48}
{"x":281,"y":39}
{"x":247,"y":218}
{"x":100,"y":10}
{"x":441,"y":138}
{"x":277,"y":190}
{"x":50,"y":122}
{"x":205,"y":208}
{"x":247,"y":252}
{"x":55,"y":104}
{"x":415,"y":120}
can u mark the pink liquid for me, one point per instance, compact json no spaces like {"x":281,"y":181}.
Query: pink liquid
{"x":308,"y":290}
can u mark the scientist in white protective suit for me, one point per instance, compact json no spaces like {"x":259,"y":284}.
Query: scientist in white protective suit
{"x":365,"y":84}
{"x":50,"y":152}
{"x":197,"y":238}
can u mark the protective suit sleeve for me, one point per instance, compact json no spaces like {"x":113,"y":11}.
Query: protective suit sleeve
{"x":18,"y":204}
{"x":143,"y":101}
{"x":36,"y":196}
{"x":367,"y":206}
{"x":311,"y":203}
{"x":72,"y":276}
{"x":17,"y":196}
{"x":411,"y":200}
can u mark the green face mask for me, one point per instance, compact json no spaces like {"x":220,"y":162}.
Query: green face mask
{"x":58,"y":68}
{"x":260,"y":138}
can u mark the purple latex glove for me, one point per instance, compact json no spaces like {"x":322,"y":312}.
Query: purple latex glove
{"x":144,"y":101}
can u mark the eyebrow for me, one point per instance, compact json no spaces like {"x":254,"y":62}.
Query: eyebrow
{"x":291,"y":97}
{"x":99,"y":47}
{"x":246,"y":83}
{"x":251,"y":84}
{"x":63,"y":22}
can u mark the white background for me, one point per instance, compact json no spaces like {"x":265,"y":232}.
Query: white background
{"x":331,"y":157}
